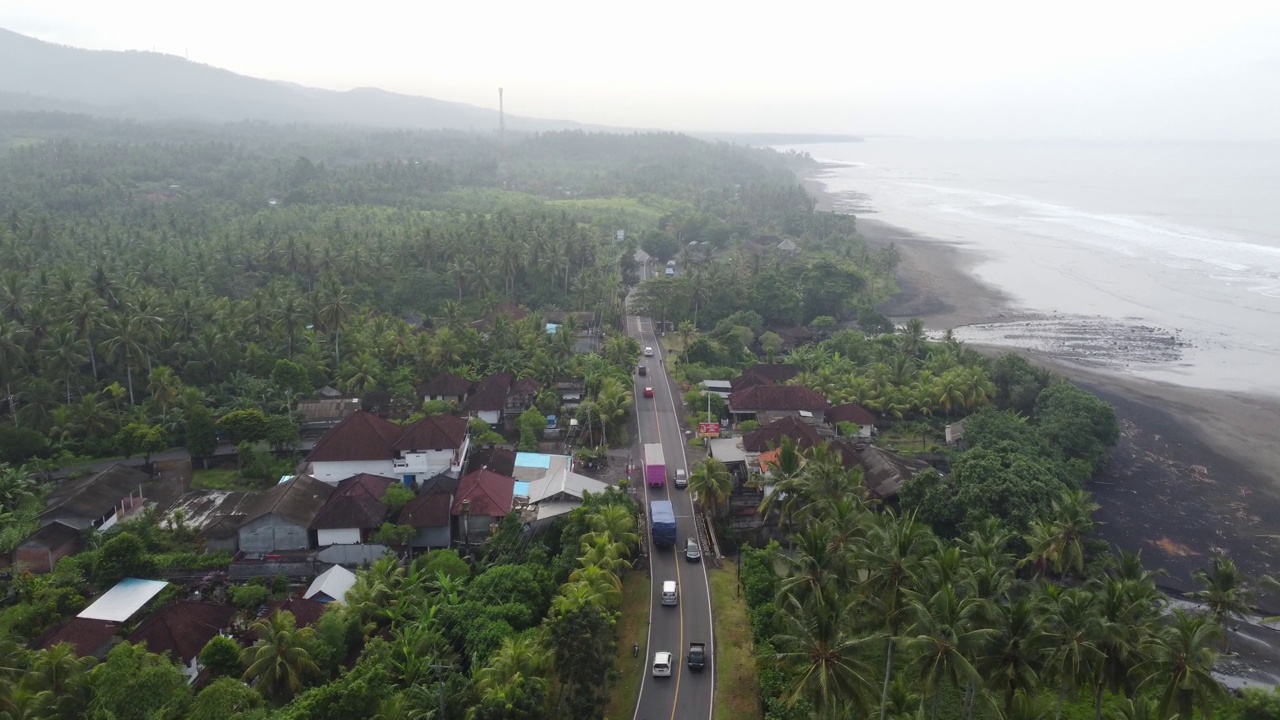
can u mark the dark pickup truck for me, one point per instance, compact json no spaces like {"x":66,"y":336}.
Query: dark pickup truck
{"x":697,"y":656}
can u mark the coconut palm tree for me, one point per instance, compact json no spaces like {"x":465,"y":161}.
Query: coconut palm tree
{"x":893,"y":558}
{"x":612,"y":404}
{"x":1072,"y":626}
{"x":65,"y":351}
{"x":279,"y":661}
{"x":1128,"y":614}
{"x":615,"y":523}
{"x":820,"y":650}
{"x":1225,"y":593}
{"x":525,"y":656}
{"x":1013,"y":659}
{"x":124,"y":344}
{"x":165,"y":387}
{"x":946,"y":637}
{"x":1180,"y":667}
{"x":711,"y":484}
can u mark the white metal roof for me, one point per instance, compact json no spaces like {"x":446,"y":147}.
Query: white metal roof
{"x":332,"y":583}
{"x":120,"y":602}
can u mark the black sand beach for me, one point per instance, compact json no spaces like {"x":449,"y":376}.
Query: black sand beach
{"x":1194,"y":474}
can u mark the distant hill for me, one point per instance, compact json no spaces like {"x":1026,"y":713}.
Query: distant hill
{"x":767,"y":139}
{"x":40,"y":76}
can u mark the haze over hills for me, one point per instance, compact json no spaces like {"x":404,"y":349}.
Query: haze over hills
{"x":38,"y":76}
{"x":41,"y":76}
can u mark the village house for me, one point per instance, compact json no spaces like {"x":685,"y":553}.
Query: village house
{"x":215,"y":515}
{"x":446,"y":387}
{"x":765,"y":374}
{"x":429,"y":516}
{"x":305,"y":612}
{"x":365,"y":443}
{"x":97,"y":501}
{"x":506,"y":308}
{"x":181,"y":629}
{"x":484,"y":498}
{"x":331,"y":585}
{"x":768,"y":437}
{"x":86,"y":636}
{"x":42,"y":550}
{"x":315,"y":415}
{"x":498,"y":400}
{"x":489,"y":399}
{"x":883,"y":471}
{"x":549,"y":488}
{"x":280,"y":519}
{"x":854,"y":414}
{"x":353,"y":512}
{"x":754,"y":402}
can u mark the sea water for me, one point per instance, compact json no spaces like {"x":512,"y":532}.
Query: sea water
{"x":1107,"y":245}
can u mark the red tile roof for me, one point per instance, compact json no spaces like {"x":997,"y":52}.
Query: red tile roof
{"x":777,"y":397}
{"x":430,"y":509}
{"x":357,"y":503}
{"x":491,"y":394}
{"x":433,"y":432}
{"x":363,"y":436}
{"x":770,"y":436}
{"x":85,"y":635}
{"x":851,"y":413}
{"x":490,"y":493}
{"x":446,"y":384}
{"x":182,"y":628}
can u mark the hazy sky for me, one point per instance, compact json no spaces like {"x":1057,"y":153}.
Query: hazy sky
{"x":1085,"y":68}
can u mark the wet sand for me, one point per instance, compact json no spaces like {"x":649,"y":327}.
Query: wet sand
{"x":1195,"y":472}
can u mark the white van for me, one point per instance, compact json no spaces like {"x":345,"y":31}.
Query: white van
{"x":669,"y":593}
{"x":682,"y":480}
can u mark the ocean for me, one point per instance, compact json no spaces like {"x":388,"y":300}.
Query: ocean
{"x":1160,"y":260}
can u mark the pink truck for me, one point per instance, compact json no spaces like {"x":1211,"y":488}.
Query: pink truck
{"x":655,"y":466}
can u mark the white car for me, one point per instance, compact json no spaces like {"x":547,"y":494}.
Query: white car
{"x":648,"y":352}
{"x":682,"y":480}
{"x":662,"y":664}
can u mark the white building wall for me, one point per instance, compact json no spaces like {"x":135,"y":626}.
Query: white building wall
{"x":339,"y":536}
{"x":335,"y":472}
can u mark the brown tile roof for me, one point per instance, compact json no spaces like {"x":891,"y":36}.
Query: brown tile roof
{"x":749,"y":380}
{"x":777,"y":372}
{"x":93,"y":496}
{"x":446,"y":482}
{"x":296,"y":500}
{"x":850,"y":413}
{"x":777,"y":397}
{"x":85,"y":635}
{"x":182,"y":628}
{"x":491,"y":394}
{"x":433,"y":432}
{"x":53,"y":536}
{"x":356,"y":503}
{"x":498,"y":459}
{"x":525,"y":386}
{"x":306,"y":612}
{"x":770,"y":436}
{"x":446,"y":384}
{"x":327,"y":409}
{"x":363,"y":436}
{"x":508,"y":308}
{"x":430,"y":509}
{"x":490,"y":493}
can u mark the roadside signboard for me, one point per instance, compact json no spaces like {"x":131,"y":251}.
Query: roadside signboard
{"x":711,"y":429}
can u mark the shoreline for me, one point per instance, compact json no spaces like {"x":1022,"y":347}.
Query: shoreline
{"x":1194,"y":473}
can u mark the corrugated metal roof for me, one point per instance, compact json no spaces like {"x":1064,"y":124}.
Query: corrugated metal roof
{"x":120,"y":602}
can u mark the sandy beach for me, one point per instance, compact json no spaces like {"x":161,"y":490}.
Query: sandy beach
{"x":1194,"y":474}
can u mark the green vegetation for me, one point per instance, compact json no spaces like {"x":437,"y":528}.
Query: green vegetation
{"x":737,"y":695}
{"x":632,"y":661}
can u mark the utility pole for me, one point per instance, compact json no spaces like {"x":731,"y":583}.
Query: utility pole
{"x":440,"y":669}
{"x":503,"y":169}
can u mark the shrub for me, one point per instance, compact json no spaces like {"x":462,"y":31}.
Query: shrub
{"x":249,"y":597}
{"x":222,"y":656}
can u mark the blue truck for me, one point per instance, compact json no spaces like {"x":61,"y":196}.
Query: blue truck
{"x":662,"y":522}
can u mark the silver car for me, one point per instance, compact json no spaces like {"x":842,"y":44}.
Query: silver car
{"x":692,"y":552}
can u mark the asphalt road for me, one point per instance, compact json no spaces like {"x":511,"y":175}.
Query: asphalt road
{"x":684,"y":695}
